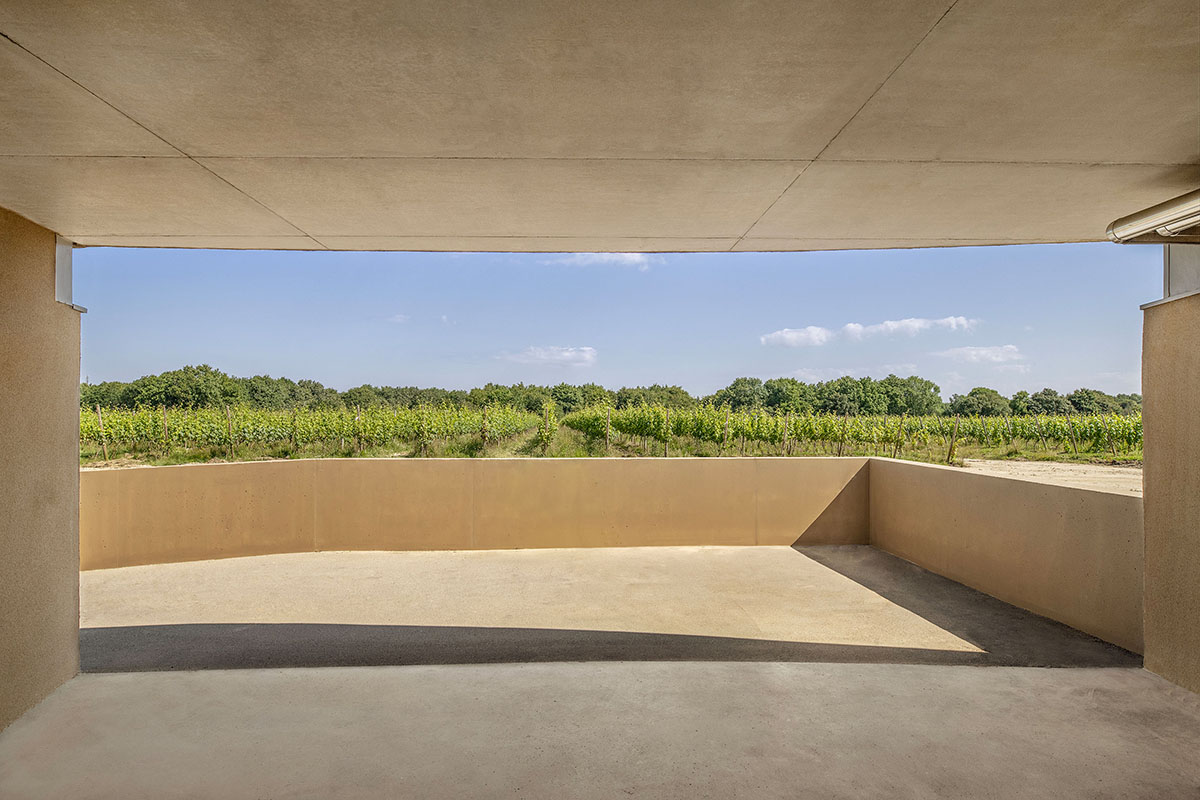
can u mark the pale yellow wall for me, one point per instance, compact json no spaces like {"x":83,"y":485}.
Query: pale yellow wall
{"x":39,"y":472}
{"x":1073,"y":555}
{"x":153,"y":515}
{"x":1171,"y":420}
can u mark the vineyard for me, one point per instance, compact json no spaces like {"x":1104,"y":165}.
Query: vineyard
{"x":824,"y":434}
{"x":644,"y":430}
{"x":335,"y":430}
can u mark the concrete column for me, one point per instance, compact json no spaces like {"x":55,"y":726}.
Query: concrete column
{"x":1171,"y":422}
{"x":39,"y":472}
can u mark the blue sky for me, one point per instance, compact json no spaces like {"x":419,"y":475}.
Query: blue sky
{"x":1013,"y":317}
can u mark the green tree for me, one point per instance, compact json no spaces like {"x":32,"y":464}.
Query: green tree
{"x":1048,"y":401}
{"x":783,"y":395}
{"x":853,"y":396}
{"x":743,"y":394}
{"x":980,"y":401}
{"x":912,"y":395}
{"x":567,"y":396}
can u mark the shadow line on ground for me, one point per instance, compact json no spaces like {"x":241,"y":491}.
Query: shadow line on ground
{"x":1009,"y":634}
{"x":155,"y":648}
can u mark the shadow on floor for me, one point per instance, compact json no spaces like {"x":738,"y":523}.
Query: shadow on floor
{"x":1009,"y":634}
{"x":154,"y":648}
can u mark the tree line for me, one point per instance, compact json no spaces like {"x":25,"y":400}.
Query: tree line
{"x":206,"y":387}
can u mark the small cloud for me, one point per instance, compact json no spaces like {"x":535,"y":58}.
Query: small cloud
{"x":446,"y":320}
{"x":826,"y":374}
{"x":1020,"y":369}
{"x":909,"y":326}
{"x":553,"y":355}
{"x":856,"y":331}
{"x":997,"y":354}
{"x":640,"y":260}
{"x":812,"y":336}
{"x":398,"y":318}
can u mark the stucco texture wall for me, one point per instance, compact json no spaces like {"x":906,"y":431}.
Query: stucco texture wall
{"x":162,"y":514}
{"x":1073,"y":555}
{"x":39,"y":472}
{"x":1171,"y":427}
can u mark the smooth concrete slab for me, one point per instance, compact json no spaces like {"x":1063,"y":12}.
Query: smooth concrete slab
{"x":1045,"y":77}
{"x":971,"y":201}
{"x":684,"y":730}
{"x":620,"y":126}
{"x":848,"y":604}
{"x":525,"y":198}
{"x":133,"y":197}
{"x":45,"y":113}
{"x":544,"y":79}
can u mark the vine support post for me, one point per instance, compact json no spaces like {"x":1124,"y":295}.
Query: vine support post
{"x":1071,"y":431}
{"x":1108,"y":434}
{"x":607,"y":428}
{"x":103,"y":437}
{"x":953,"y":441}
{"x":229,"y":427}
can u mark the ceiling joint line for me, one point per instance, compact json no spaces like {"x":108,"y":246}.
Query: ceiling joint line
{"x":853,"y":116}
{"x":156,"y":135}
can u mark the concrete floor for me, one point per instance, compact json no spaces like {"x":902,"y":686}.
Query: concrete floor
{"x":602,"y":730}
{"x":833,"y":672}
{"x":845,"y":604}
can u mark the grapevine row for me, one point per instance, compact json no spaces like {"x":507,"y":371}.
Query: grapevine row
{"x":1092,"y":433}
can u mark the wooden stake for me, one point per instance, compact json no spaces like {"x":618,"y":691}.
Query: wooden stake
{"x":229,"y":425}
{"x":1037,"y":424}
{"x":725,"y":442}
{"x":900,"y":436}
{"x":166,"y":438}
{"x":667,"y":435}
{"x":953,"y":441}
{"x":1108,"y":433}
{"x":1071,"y":431}
{"x":787,"y":423}
{"x":845,"y":424}
{"x":607,"y":427}
{"x":103,"y":438}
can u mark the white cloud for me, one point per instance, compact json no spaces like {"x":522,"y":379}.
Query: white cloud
{"x":1020,"y":369}
{"x":909,"y":326}
{"x":640,"y":260}
{"x":398,"y":318}
{"x":826,"y":374}
{"x":856,"y":331}
{"x":555,"y":356}
{"x":997,"y":354}
{"x":799,"y":337}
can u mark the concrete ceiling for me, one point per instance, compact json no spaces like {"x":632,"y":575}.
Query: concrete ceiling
{"x":622,"y":125}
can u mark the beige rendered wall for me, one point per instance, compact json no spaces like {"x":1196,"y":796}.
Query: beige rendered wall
{"x":39,"y":472}
{"x":1171,"y":420}
{"x":161,"y":514}
{"x":1073,"y":555}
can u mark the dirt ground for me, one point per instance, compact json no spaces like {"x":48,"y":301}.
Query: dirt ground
{"x":1122,"y":480}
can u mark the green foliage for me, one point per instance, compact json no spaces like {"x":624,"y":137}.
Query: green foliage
{"x":881,"y":434}
{"x":369,"y":427}
{"x":980,"y":401}
{"x":547,"y":426}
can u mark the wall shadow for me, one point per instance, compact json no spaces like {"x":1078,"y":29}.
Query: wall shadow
{"x":153,"y":648}
{"x":1010,"y":634}
{"x":846,"y":520}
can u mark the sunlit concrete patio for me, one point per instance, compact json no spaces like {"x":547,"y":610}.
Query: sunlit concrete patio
{"x":835,"y":671}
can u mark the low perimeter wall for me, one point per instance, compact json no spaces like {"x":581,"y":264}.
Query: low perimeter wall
{"x":1073,"y":555}
{"x":186,"y":513}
